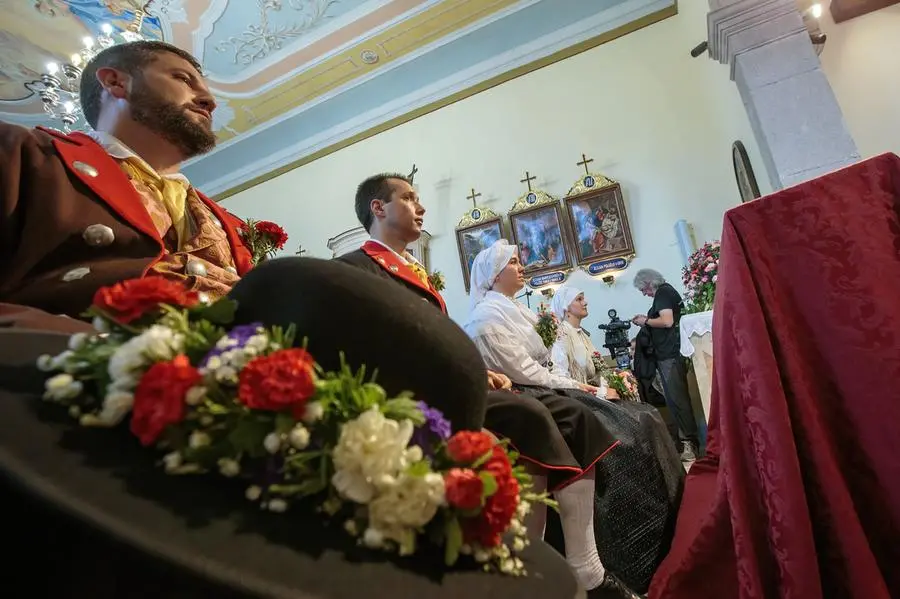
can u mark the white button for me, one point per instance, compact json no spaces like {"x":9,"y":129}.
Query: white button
{"x":203,"y":297}
{"x":85,"y":168}
{"x":217,"y":222}
{"x":231,"y":269}
{"x":98,"y":235}
{"x":76,"y":273}
{"x":196,"y":268}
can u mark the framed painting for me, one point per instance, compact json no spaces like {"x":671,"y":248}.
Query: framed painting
{"x":596,"y":213}
{"x":536,"y":221}
{"x":743,"y":173}
{"x":478,"y":229}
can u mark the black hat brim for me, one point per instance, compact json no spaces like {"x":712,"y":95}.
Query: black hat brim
{"x":200,"y":528}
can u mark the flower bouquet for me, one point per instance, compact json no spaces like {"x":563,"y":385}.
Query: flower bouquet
{"x":700,"y":276}
{"x":264,"y":238}
{"x":245,"y":403}
{"x":547,"y":325}
{"x":623,"y":382}
{"x":437,"y":280}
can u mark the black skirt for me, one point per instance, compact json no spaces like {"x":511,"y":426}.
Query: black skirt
{"x":557,"y":433}
{"x":638,"y":489}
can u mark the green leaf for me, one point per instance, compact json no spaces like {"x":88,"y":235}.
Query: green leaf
{"x":220,"y":312}
{"x":453,"y":540}
{"x":480,"y":461}
{"x":284,"y":422}
{"x":403,"y":408}
{"x":248,"y":435}
{"x":489,"y":482}
{"x":419,"y":469}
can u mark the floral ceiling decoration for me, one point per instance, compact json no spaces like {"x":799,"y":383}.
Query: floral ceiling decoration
{"x":298,"y":79}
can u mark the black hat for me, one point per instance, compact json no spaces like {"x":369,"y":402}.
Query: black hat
{"x":374,"y":322}
{"x":90,"y":513}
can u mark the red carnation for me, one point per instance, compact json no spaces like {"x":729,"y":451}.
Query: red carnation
{"x":159,"y":398}
{"x":467,"y":446}
{"x":499,"y":509}
{"x":272,"y":233}
{"x":130,"y":300}
{"x":464,"y":488}
{"x":282,"y":380}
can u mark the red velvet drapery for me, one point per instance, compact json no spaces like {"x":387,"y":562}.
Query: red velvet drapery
{"x":799,"y":496}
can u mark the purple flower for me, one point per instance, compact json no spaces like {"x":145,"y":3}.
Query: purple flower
{"x":435,"y":421}
{"x":235,"y":339}
{"x":435,"y":426}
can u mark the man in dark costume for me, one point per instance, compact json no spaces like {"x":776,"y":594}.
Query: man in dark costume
{"x":556,"y":435}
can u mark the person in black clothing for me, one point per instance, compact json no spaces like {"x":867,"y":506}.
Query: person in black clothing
{"x":662,"y":324}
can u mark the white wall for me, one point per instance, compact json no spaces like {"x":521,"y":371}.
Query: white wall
{"x":862,"y":61}
{"x":656,"y":120}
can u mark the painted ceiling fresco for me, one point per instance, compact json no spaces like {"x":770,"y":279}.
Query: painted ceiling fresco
{"x":297,"y":79}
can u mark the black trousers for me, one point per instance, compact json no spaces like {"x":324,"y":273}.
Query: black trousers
{"x":673,"y":376}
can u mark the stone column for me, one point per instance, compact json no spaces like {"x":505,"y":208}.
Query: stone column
{"x":795,"y":116}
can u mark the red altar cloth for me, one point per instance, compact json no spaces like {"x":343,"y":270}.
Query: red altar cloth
{"x":799,"y":496}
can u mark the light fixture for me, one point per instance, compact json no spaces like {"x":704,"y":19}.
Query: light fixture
{"x":816,"y":10}
{"x":59,"y":85}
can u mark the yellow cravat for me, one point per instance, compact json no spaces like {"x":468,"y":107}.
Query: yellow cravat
{"x":171,"y":193}
{"x":419,"y":272}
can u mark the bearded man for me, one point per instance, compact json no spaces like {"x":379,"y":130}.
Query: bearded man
{"x":83,"y":211}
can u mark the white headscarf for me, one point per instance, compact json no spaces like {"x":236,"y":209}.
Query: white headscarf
{"x":562,"y":299}
{"x":489,"y":263}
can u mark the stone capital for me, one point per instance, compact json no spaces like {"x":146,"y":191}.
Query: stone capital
{"x":738,"y":26}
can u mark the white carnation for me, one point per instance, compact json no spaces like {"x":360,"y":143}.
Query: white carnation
{"x":370,"y":451}
{"x":402,"y":508}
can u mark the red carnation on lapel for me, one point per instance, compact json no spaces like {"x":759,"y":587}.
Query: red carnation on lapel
{"x":274,"y":233}
{"x":130,"y":300}
{"x":263,"y":238}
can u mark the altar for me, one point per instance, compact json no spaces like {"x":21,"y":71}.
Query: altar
{"x":696,"y":344}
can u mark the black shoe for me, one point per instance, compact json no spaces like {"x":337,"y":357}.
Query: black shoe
{"x":689,"y":451}
{"x":613,"y":588}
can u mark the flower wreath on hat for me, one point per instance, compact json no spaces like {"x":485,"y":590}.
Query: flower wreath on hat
{"x":245,"y":403}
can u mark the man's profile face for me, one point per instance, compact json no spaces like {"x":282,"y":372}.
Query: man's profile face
{"x":171,"y":98}
{"x":403,"y":213}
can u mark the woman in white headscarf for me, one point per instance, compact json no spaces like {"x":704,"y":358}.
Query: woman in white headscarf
{"x":572,"y":352}
{"x":638,"y":484}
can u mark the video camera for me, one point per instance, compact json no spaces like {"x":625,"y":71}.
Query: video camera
{"x":616,"y":339}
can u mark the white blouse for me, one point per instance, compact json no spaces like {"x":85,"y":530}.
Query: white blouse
{"x":503,"y":331}
{"x":572,"y":356}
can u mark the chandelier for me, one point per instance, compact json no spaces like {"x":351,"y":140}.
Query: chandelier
{"x":59,"y":85}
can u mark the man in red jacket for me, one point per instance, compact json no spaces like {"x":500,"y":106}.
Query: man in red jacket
{"x":82,"y":211}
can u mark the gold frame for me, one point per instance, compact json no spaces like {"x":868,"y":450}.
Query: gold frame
{"x":532,"y":202}
{"x":596,"y":186}
{"x":476,"y":218}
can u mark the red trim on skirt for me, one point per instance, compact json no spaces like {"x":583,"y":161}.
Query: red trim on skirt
{"x":578,"y":472}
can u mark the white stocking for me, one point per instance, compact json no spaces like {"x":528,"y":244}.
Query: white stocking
{"x":576,"y":510}
{"x":536,"y":520}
